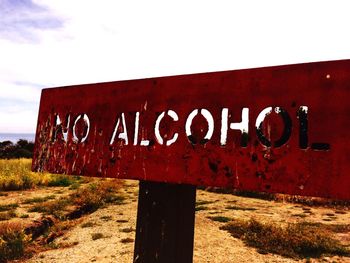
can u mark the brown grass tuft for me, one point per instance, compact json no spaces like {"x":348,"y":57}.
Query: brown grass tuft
{"x":127,"y":240}
{"x":299,"y":240}
{"x":96,"y":236}
{"x":12,"y":241}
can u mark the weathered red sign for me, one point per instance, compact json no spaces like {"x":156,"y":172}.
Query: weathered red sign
{"x":275,"y":129}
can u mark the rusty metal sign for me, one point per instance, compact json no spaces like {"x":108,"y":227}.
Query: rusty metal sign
{"x":276,"y":129}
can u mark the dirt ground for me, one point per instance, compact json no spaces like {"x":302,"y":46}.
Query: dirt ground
{"x":107,"y":235}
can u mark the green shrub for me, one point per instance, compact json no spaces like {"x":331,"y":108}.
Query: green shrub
{"x":61,"y":180}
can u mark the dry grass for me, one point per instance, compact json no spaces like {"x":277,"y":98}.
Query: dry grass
{"x":39,"y":199}
{"x":201,"y":207}
{"x":88,"y":224}
{"x":7,"y":215}
{"x":8,"y":211}
{"x":96,"y":195}
{"x":12,"y":241}
{"x":55,"y":207}
{"x":299,"y":240}
{"x":335,"y":228}
{"x":234,"y":207}
{"x":221,"y":219}
{"x":16,"y":174}
{"x":58,"y":229}
{"x":203,"y":202}
{"x":68,"y":209}
{"x":8,"y":207}
{"x":86,"y":200}
{"x":304,"y":200}
{"x":87,"y":196}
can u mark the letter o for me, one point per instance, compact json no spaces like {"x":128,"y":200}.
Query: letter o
{"x":87,"y":122}
{"x":286,"y":131}
{"x":210,"y":120}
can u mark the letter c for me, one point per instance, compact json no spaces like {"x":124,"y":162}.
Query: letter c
{"x":159,"y":138}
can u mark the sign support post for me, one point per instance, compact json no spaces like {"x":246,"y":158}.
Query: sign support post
{"x":165,"y":223}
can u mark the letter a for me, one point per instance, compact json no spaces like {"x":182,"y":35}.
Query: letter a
{"x":122,"y":135}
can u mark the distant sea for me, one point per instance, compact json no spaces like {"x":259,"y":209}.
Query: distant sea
{"x":14,"y":137}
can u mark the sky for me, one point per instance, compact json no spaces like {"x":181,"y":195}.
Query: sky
{"x":55,"y":43}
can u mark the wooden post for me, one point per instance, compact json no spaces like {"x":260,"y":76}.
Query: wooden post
{"x":165,"y":223}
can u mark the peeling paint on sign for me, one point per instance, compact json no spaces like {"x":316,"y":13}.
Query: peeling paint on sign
{"x":277,"y":129}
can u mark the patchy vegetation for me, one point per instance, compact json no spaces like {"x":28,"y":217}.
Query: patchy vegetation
{"x":55,"y":208}
{"x":88,"y":224}
{"x":96,"y":195}
{"x":12,"y":241}
{"x":62,"y":209}
{"x":243,"y":193}
{"x":86,"y":200}
{"x":8,"y":211}
{"x":300,"y":240}
{"x":59,"y":216}
{"x":39,"y":199}
{"x":222,"y":219}
{"x":8,"y":207}
{"x":303,"y":200}
{"x":17,"y":175}
{"x":59,"y":212}
{"x":201,"y":207}
{"x":234,"y":207}
{"x":203,"y":202}
{"x":7,"y":215}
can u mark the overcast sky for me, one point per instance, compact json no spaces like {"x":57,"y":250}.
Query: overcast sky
{"x":63,"y":42}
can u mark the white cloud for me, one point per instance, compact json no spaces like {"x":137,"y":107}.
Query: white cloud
{"x":113,"y":40}
{"x":25,"y":92}
{"x":20,"y":19}
{"x":18,"y":121}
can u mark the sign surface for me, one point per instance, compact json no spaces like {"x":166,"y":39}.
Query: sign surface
{"x":276,"y":129}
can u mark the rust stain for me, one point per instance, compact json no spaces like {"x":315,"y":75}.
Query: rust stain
{"x":277,"y":129}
